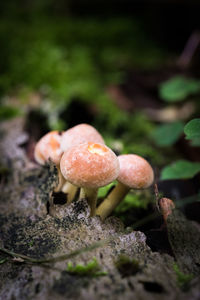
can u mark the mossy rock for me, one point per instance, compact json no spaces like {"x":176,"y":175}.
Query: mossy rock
{"x":26,"y":227}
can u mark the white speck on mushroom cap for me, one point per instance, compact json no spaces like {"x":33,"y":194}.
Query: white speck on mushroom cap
{"x":135,"y":171}
{"x":49,"y":147}
{"x":79,"y":134}
{"x":90,"y":165}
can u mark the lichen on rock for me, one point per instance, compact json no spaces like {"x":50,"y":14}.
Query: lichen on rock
{"x":27,"y":228}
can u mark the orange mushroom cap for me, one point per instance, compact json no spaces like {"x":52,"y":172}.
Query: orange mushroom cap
{"x":79,"y":134}
{"x":49,"y":147}
{"x":89,"y":165}
{"x":135,"y":171}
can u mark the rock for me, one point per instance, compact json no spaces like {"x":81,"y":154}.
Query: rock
{"x":27,"y":228}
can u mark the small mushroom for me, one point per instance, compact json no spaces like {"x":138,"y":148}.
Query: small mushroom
{"x":135,"y":173}
{"x":49,"y":147}
{"x":89,"y":166}
{"x":166,"y":206}
{"x":79,"y":134}
{"x":74,"y":136}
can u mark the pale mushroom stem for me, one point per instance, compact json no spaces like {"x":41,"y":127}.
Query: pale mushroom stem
{"x":112,"y":200}
{"x":70,"y":190}
{"x":61,"y":181}
{"x":91,"y":196}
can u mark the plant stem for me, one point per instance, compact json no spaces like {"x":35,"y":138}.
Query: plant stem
{"x":55,"y":259}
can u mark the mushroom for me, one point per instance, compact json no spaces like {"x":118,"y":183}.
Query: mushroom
{"x":70,"y":190}
{"x":135,"y":172}
{"x":89,"y":166}
{"x":166,"y":206}
{"x":77,"y":135}
{"x":49,"y":147}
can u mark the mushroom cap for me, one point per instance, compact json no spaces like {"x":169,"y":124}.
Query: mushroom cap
{"x":79,"y":134}
{"x":135,"y":172}
{"x":48,"y":147}
{"x":89,"y":165}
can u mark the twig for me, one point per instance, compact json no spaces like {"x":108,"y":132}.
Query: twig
{"x":189,"y":50}
{"x":156,"y":196}
{"x":54,"y":259}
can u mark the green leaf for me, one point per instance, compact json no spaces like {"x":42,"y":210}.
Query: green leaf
{"x":192,"y":129}
{"x":178,"y":88}
{"x":102,"y":192}
{"x":167,"y":134}
{"x":181,"y":169}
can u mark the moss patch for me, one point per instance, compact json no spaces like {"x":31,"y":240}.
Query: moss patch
{"x":183,"y":280}
{"x":127,"y":266}
{"x":92,"y":269}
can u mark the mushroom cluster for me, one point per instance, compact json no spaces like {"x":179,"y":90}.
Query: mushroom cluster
{"x":85,"y":163}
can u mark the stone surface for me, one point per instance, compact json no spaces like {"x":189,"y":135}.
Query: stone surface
{"x":26,"y":227}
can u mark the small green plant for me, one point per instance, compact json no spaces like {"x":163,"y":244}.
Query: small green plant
{"x":183,"y":280}
{"x":181,"y":169}
{"x":184,"y":169}
{"x":91,"y":269}
{"x":31,"y":243}
{"x":178,"y":88}
{"x":171,"y":133}
{"x":192,"y":131}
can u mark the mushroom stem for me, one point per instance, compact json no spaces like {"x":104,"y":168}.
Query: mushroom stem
{"x":61,"y":181}
{"x":113,"y":199}
{"x":70,"y":190}
{"x":91,"y":196}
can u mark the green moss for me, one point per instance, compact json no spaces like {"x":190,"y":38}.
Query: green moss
{"x":92,"y":269}
{"x":134,"y":199}
{"x":127,"y":266}
{"x":183,"y":280}
{"x":31,"y":243}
